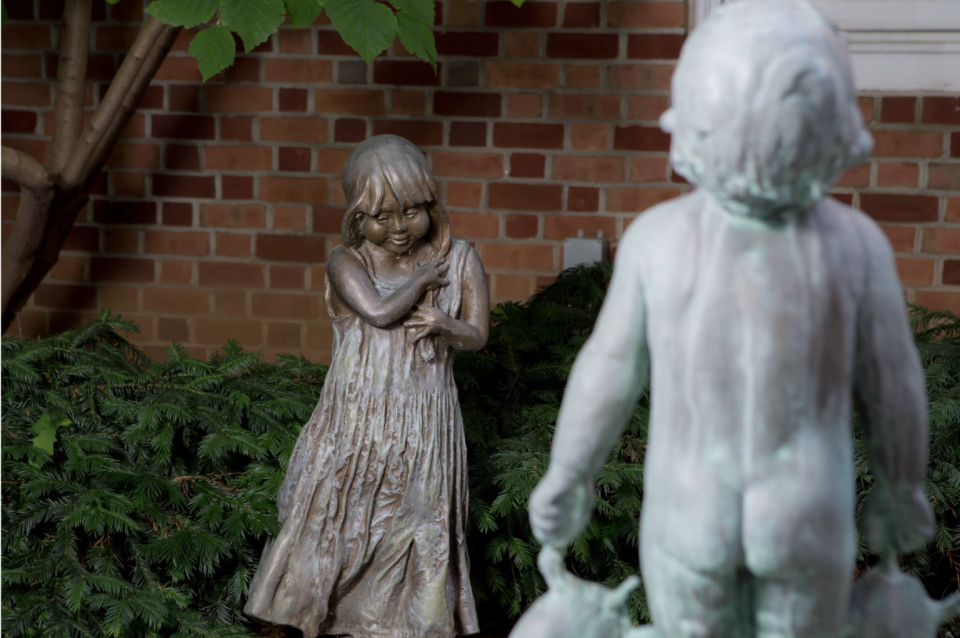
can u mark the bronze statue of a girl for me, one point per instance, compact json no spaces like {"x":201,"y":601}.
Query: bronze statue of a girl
{"x":374,"y":502}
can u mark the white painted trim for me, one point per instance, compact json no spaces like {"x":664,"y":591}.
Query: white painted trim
{"x":897,"y":46}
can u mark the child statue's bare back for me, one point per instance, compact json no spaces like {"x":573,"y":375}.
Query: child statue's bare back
{"x":759,"y":308}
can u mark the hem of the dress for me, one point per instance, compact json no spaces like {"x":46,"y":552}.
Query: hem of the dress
{"x":366,"y":632}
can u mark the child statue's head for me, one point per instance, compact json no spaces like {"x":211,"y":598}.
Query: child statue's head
{"x":765,"y":114}
{"x":392,"y":198}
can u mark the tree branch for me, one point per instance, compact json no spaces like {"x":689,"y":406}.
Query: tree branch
{"x":131,"y":99}
{"x":24,"y":170}
{"x":130,"y":79}
{"x":71,"y":82}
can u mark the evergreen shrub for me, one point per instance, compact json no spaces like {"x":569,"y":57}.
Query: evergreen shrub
{"x":137,"y":496}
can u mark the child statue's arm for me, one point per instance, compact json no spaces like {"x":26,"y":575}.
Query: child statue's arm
{"x":605,"y":384}
{"x":352,"y":284}
{"x":892,"y":401}
{"x":470,"y":332}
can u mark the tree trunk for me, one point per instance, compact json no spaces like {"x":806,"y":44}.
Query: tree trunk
{"x":51,"y":197}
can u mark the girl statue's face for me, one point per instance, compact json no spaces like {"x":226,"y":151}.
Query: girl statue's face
{"x":394,"y":228}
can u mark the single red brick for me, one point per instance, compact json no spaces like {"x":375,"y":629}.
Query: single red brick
{"x":464,"y":194}
{"x":944,"y":176}
{"x":350,"y":101}
{"x":955,"y":144}
{"x":915,"y":272}
{"x":183,"y":126}
{"x":648,"y":169}
{"x":522,"y":75}
{"x":488,"y":165}
{"x":236,"y":186}
{"x":583,"y":199}
{"x":18,"y":121}
{"x":286,"y":306}
{"x":844,"y":198}
{"x":465,"y":43}
{"x":898,"y":110}
{"x":288,"y":277}
{"x":575,"y":106}
{"x":69,"y":297}
{"x":327,"y":219}
{"x":181,"y":157}
{"x":85,"y":238}
{"x":238,"y":129}
{"x":28,"y":36}
{"x":176,"y":300}
{"x":179,"y":69}
{"x":468,"y":134}
{"x":170,"y":328}
{"x":115,"y":38}
{"x":596,"y":46}
{"x":900,"y":208}
{"x":524,"y":105}
{"x":530,"y":14}
{"x":527,"y":165}
{"x":349,"y":130}
{"x":522,"y":44}
{"x":941,"y":240}
{"x":289,"y":218}
{"x":128,"y":184}
{"x":570,"y":168}
{"x":580,"y":15}
{"x":939,"y":300}
{"x":308,"y":190}
{"x":184,"y":185}
{"x":177,"y":214}
{"x":475,"y":225}
{"x":121,"y":240}
{"x":654,"y":46}
{"x":295,"y":41}
{"x":519,"y":256}
{"x":177,"y":242}
{"x":294,"y":129}
{"x":298,"y":70}
{"x":941,"y":110}
{"x":233,"y":244}
{"x":522,"y":226}
{"x":24,"y":10}
{"x":856,"y":177}
{"x":640,"y":138}
{"x":646,"y":15}
{"x":583,"y":76}
{"x":124,"y":212}
{"x":238,"y":158}
{"x":951,"y":272}
{"x":898,"y":174}
{"x":176,"y":271}
{"x":513,"y":196}
{"x":231,"y":274}
{"x":640,"y":77}
{"x":526,"y":135}
{"x":634,"y":200}
{"x":331,"y":160}
{"x":294,"y":159}
{"x":646,"y":107}
{"x":293,"y":99}
{"x":419,"y":132}
{"x":122,"y":269}
{"x":408,"y":103}
{"x":26,"y":93}
{"x":233,"y":99}
{"x":415,"y":73}
{"x":330,"y":43}
{"x":466,"y":104}
{"x":907,"y":144}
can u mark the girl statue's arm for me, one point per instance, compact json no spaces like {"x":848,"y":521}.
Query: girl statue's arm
{"x":352,"y":284}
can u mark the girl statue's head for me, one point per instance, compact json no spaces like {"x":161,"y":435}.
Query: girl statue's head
{"x":765,"y":114}
{"x":392,"y":198}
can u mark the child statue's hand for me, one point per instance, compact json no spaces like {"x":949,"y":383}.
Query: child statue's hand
{"x":560,"y":509}
{"x":432,"y":274}
{"x":425,"y":320}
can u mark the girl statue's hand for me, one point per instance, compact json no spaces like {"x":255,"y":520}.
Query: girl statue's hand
{"x":426,"y":320}
{"x":432,"y":274}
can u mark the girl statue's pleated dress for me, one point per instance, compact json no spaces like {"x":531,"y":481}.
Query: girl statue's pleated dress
{"x":374,"y":503}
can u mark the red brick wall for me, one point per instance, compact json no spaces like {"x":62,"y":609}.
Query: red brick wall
{"x":217,"y":209}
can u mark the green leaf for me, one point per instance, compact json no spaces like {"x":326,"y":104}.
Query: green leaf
{"x":46,"y":430}
{"x":214,"y":48}
{"x":423,"y":9}
{"x":112,"y":1}
{"x":417,"y":38}
{"x":367,"y":26}
{"x":182,"y":13}
{"x":303,"y":12}
{"x":253,"y":20}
